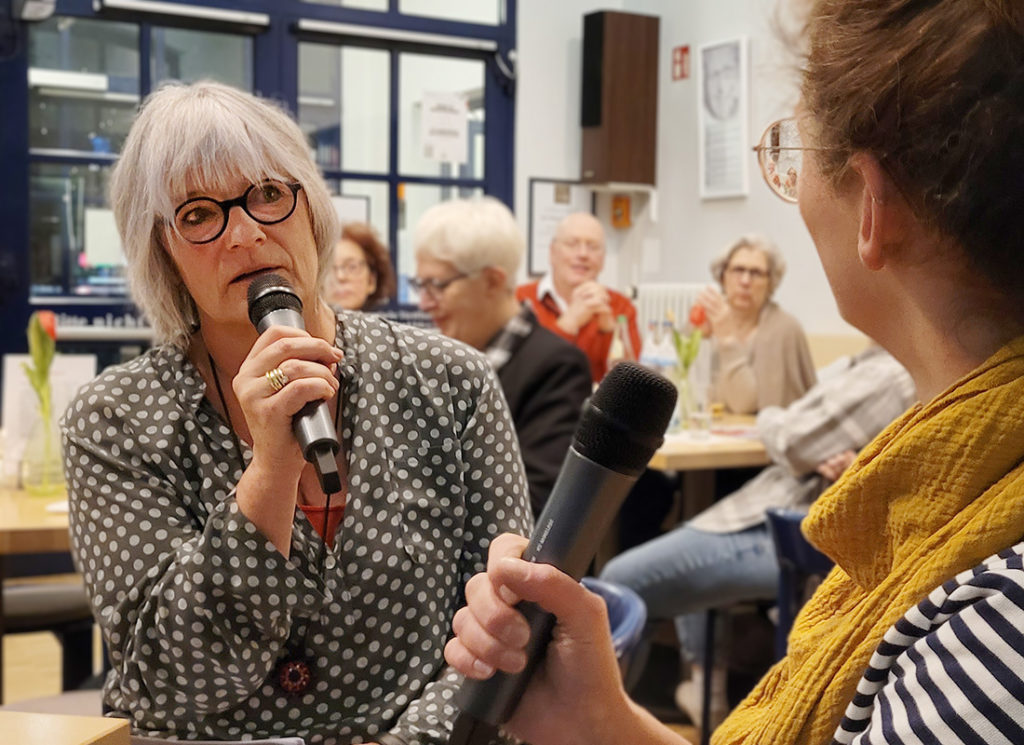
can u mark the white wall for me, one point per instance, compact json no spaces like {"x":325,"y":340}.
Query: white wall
{"x":688,"y":232}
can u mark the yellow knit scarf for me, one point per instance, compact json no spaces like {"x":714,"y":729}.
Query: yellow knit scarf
{"x":938,"y":491}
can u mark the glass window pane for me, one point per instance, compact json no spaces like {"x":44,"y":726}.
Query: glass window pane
{"x":362,"y":4}
{"x":414,"y":200}
{"x":375,"y":191}
{"x":83,"y":83}
{"x":344,"y":105}
{"x":185,"y":55}
{"x":74,"y":246}
{"x":489,"y":12}
{"x":435,"y":138}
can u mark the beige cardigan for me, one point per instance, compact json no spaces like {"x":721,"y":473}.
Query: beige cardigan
{"x":773,"y":369}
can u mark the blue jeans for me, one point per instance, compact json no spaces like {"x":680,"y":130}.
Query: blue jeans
{"x":683,"y":573}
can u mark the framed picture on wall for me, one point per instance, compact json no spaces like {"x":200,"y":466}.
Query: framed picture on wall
{"x":551,"y":200}
{"x":722,"y":106}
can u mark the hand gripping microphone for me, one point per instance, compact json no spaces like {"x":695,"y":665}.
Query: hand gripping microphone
{"x":272,"y":301}
{"x":621,"y":426}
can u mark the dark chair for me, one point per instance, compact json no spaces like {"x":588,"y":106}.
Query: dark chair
{"x":799,"y":562}
{"x":627,"y":615}
{"x":56,"y":605}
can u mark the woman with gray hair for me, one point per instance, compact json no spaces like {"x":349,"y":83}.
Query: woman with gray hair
{"x":761,"y":353}
{"x":238,"y":599}
{"x":467,"y":255}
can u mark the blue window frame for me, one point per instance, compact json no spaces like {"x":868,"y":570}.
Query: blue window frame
{"x":36,"y":172}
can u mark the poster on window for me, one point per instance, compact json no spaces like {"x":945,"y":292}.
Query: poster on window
{"x":445,"y":132}
{"x":722,"y":118}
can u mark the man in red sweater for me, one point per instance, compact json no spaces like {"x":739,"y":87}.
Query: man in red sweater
{"x":571,"y":302}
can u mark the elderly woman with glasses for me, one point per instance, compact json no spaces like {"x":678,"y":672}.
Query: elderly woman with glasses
{"x":912,"y":187}
{"x":761,"y":357}
{"x":238,"y":600}
{"x":360,"y":276}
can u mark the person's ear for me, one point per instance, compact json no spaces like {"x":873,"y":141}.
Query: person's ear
{"x":883,"y":212}
{"x":494,"y":278}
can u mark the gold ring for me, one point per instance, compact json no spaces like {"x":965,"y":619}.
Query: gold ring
{"x":276,"y":378}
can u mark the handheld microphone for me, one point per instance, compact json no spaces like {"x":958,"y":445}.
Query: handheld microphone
{"x":272,"y":301}
{"x":621,"y":426}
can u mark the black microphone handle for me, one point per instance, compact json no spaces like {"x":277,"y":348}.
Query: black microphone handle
{"x":582,"y":505}
{"x":311,"y":425}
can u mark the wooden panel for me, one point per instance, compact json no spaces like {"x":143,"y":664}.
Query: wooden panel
{"x":26,"y":526}
{"x":623,"y":146}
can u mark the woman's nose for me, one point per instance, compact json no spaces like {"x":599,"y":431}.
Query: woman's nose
{"x":242,"y":230}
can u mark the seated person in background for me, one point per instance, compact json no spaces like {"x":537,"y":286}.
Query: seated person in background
{"x":360,"y":274}
{"x":725,"y":554}
{"x":236,"y":598}
{"x":761,"y":356}
{"x":467,"y":255}
{"x":912,"y":188}
{"x":570,"y":301}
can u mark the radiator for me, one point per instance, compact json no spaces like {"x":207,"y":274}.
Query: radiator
{"x":653,"y":299}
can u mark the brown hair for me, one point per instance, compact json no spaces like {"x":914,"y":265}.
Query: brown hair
{"x":935,"y":90}
{"x":378,"y":259}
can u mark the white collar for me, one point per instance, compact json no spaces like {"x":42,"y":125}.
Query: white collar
{"x":546,"y":286}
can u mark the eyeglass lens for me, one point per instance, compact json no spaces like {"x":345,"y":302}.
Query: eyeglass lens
{"x":201,"y":220}
{"x":350,"y":267}
{"x":780,"y":155}
{"x":433,"y":287}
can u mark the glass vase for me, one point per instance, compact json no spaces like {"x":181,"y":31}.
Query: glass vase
{"x":42,"y":463}
{"x":686,"y":404}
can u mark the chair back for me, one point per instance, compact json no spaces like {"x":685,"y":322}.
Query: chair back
{"x":627,"y":615}
{"x":799,"y":561}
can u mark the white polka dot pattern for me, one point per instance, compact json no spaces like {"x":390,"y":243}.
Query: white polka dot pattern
{"x":197,"y":607}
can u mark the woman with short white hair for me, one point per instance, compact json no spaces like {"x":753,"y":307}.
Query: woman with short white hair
{"x":467,"y":255}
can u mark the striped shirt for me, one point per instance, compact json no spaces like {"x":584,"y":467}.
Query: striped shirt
{"x":952,"y":669}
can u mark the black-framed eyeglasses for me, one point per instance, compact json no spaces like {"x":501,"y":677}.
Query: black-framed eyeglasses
{"x":433,"y":287}
{"x":780,"y":155}
{"x":755,"y":273}
{"x":202,"y":219}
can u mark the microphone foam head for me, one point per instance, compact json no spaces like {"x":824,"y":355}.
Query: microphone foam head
{"x":624,"y":422}
{"x":270,"y":292}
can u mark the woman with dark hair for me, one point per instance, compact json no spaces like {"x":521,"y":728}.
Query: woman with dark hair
{"x":911,"y":182}
{"x":360,"y":275}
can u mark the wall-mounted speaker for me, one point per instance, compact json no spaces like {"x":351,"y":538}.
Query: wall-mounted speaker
{"x":619,"y":101}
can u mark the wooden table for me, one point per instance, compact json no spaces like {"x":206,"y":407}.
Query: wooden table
{"x":684,"y":452}
{"x":26,"y":527}
{"x":62,"y":729}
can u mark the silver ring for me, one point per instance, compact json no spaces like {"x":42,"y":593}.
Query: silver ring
{"x":276,"y":378}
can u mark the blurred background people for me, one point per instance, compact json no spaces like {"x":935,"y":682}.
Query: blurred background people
{"x":235,"y":596}
{"x":360,"y":275}
{"x":570,"y":301}
{"x":761,"y":357}
{"x":725,"y":554}
{"x":911,"y":185}
{"x":467,"y":256}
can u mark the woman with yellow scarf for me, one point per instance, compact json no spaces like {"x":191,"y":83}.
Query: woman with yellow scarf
{"x":910,"y":178}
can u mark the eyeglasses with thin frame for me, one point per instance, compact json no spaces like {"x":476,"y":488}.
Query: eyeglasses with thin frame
{"x":433,"y":287}
{"x":202,"y":219}
{"x":350,"y":268}
{"x":755,"y":273}
{"x":780,"y":155}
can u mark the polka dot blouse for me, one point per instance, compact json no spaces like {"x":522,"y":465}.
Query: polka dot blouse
{"x":197,"y":607}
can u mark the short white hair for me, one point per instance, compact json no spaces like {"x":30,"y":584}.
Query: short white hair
{"x":206,"y":135}
{"x":756,"y":242}
{"x":471,"y":234}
